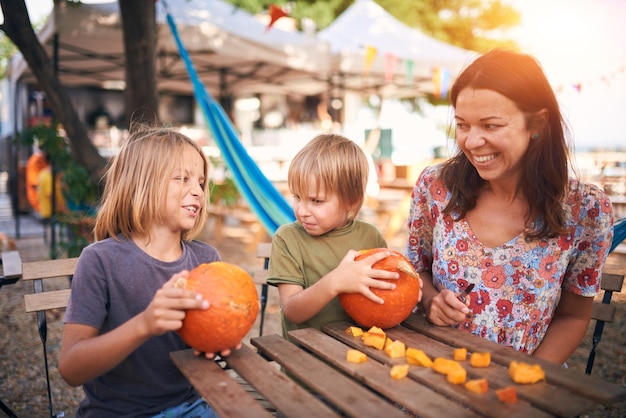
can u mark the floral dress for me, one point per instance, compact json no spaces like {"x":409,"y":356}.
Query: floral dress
{"x":517,"y":284}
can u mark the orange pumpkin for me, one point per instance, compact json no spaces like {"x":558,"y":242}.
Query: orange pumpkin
{"x":399,"y":303}
{"x":234,"y":305}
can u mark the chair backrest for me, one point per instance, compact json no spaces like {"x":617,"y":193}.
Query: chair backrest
{"x":41,"y":300}
{"x":603,"y":312}
{"x":260,"y":278}
{"x":37,"y":271}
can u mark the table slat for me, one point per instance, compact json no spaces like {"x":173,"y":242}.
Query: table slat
{"x":414,"y":397}
{"x":218,"y":388}
{"x":588,"y":386}
{"x":486,"y":404}
{"x":285,"y":394}
{"x":336,"y":388}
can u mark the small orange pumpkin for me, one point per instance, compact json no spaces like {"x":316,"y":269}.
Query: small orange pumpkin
{"x":234,"y":306}
{"x":399,"y":303}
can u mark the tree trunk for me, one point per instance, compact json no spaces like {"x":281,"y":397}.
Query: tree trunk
{"x":140,"y":39}
{"x":18,"y":28}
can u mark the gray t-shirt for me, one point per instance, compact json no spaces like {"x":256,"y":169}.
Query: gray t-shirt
{"x":113,"y":282}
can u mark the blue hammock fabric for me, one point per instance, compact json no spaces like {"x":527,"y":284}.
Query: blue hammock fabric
{"x":619,"y":233}
{"x":264,"y":199}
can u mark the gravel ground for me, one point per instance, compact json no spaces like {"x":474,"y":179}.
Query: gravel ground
{"x":22,"y":375}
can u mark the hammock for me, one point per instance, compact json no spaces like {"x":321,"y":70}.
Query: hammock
{"x":261,"y":195}
{"x":619,"y":233}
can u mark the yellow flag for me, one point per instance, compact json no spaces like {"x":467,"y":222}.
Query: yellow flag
{"x":370,"y":55}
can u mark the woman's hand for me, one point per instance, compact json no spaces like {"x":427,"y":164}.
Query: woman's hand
{"x":445,"y":309}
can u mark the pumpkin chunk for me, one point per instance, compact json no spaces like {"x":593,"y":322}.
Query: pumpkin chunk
{"x":507,"y":394}
{"x":457,"y":376}
{"x":524,"y":373}
{"x":477,"y":385}
{"x":354,"y":331}
{"x":355,"y":356}
{"x":399,"y":371}
{"x":444,"y":365}
{"x":418,"y":357}
{"x":459,"y":354}
{"x":395,"y":349}
{"x":480,"y":359}
{"x":375,"y":337}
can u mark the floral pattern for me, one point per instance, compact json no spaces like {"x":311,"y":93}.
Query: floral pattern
{"x":517,"y":284}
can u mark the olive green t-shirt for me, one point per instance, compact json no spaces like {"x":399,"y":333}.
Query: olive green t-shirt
{"x":301,"y":259}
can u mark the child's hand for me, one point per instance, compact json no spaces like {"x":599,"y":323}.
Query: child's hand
{"x":167,"y":309}
{"x":358,"y":276}
{"x":223,"y":353}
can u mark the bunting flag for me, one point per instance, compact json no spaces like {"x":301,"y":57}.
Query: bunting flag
{"x":391,"y":61}
{"x":441,"y":82}
{"x":409,"y":72}
{"x":370,"y":55}
{"x":275,"y":13}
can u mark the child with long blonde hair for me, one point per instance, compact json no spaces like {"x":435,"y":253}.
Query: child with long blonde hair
{"x":124,"y":309}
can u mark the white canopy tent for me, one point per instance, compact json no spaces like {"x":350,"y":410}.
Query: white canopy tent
{"x":365,"y":27}
{"x":231,"y":49}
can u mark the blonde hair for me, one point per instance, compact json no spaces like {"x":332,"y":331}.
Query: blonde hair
{"x":338,"y":165}
{"x":137,"y":181}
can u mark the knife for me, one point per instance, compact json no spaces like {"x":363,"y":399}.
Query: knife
{"x":463,"y":295}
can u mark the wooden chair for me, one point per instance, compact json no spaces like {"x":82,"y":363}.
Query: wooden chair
{"x":260,"y":278}
{"x":603,"y":312}
{"x":41,"y":300}
{"x":11,"y":267}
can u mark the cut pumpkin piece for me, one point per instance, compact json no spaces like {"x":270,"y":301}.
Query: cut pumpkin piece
{"x":395,"y":349}
{"x":480,"y":359}
{"x":477,"y":385}
{"x":507,"y":394}
{"x":399,"y":371}
{"x":356,"y":356}
{"x":457,"y":376}
{"x":459,"y":354}
{"x":418,"y":357}
{"x":444,"y":365}
{"x":524,"y":373}
{"x":375,"y":337}
{"x":354,"y":331}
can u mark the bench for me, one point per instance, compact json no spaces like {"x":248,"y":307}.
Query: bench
{"x":603,"y":312}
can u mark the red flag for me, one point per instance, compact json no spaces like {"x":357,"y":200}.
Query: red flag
{"x":275,"y":14}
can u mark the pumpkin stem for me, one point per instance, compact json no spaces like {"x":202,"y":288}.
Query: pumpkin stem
{"x":407,"y":268}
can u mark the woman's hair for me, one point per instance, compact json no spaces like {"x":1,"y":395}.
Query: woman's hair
{"x":137,"y":180}
{"x":338,"y":166}
{"x":520,"y":78}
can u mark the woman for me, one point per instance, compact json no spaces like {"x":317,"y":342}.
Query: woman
{"x":503,"y":215}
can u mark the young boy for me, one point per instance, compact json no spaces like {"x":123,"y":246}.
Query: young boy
{"x":312,"y":259}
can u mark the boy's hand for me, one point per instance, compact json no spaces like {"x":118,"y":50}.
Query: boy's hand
{"x":167,"y":309}
{"x":353,"y":276}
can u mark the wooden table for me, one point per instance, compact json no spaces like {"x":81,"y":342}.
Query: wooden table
{"x":318,"y":360}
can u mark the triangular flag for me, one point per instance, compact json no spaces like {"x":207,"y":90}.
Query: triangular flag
{"x":441,"y":81}
{"x":370,"y":55}
{"x":391,"y":61}
{"x":275,"y":13}
{"x":409,"y":72}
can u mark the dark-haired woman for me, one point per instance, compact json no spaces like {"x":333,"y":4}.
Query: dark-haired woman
{"x":504,"y":215}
